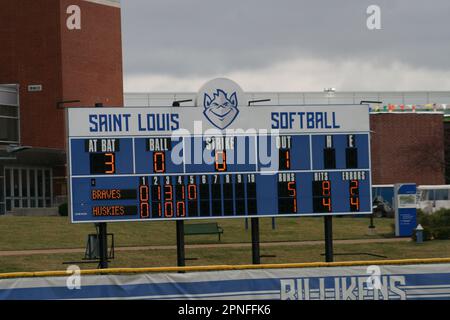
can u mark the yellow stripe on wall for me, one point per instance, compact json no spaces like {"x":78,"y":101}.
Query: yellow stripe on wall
{"x":224,"y":268}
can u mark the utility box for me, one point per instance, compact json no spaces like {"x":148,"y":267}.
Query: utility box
{"x":405,"y":206}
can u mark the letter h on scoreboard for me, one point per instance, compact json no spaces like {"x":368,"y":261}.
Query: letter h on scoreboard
{"x":329,"y":153}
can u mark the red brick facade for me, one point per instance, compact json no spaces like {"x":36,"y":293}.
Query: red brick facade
{"x":31,"y":54}
{"x":85,"y":64}
{"x":38,"y":48}
{"x":447,"y":151}
{"x":407,"y":148}
{"x":92,"y":57}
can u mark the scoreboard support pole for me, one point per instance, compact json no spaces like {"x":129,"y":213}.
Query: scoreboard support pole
{"x":181,"y":260}
{"x":328,"y":224}
{"x":256,"y":257}
{"x":102,"y":232}
{"x":103,"y":245}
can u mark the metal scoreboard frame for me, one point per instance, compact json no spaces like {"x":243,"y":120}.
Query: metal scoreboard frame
{"x":220,"y":159}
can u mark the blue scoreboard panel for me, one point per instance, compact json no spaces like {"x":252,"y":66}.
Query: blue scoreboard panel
{"x":136,"y":164}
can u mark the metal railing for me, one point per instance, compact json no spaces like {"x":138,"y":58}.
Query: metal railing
{"x":422,"y":100}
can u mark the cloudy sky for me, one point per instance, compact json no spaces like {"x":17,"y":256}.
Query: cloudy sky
{"x":286,"y":45}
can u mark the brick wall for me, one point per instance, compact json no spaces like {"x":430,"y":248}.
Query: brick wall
{"x":92,"y":56}
{"x":30,"y":55}
{"x":447,"y":151}
{"x":407,"y":148}
{"x":38,"y":48}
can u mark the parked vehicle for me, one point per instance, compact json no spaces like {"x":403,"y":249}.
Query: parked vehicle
{"x":433,"y":198}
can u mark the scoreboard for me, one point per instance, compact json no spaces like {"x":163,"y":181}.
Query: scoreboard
{"x":146,"y":164}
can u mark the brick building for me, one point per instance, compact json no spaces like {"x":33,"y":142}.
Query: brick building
{"x":51,"y":51}
{"x":407,"y":148}
{"x":447,"y":149}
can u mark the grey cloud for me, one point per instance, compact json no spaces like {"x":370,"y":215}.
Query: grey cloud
{"x":209,"y":37}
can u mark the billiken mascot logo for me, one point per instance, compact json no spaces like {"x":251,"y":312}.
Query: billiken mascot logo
{"x":220,"y":109}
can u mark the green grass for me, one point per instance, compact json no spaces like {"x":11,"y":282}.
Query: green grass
{"x":284,"y":254}
{"x":22,"y":233}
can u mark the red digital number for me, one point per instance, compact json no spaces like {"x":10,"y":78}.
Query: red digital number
{"x":221,"y":165}
{"x":143,"y":198}
{"x":354,"y":185}
{"x":168,"y":209}
{"x":354,"y":202}
{"x":159,"y":192}
{"x":326,"y":188}
{"x":291,"y":187}
{"x":354,"y":195}
{"x":168,"y":192}
{"x":326,"y":202}
{"x":159,"y":159}
{"x":145,"y":211}
{"x":192,"y":192}
{"x":159,"y":204}
{"x":168,"y":197}
{"x":181,"y":209}
{"x":288,"y":159}
{"x":159,"y":210}
{"x":183,"y":196}
{"x":143,"y":193}
{"x":111,"y":163}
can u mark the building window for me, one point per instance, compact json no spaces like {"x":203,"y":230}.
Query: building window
{"x":9,"y":114}
{"x":2,"y":194}
{"x":28,"y":188}
{"x":9,"y":124}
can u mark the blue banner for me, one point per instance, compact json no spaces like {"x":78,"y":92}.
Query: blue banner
{"x":389,"y":282}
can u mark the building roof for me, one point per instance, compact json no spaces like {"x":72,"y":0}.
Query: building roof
{"x":380,"y":101}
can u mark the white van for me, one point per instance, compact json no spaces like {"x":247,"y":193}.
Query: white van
{"x":432,"y":198}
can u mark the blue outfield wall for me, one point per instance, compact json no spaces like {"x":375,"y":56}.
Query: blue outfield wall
{"x":395,"y":282}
